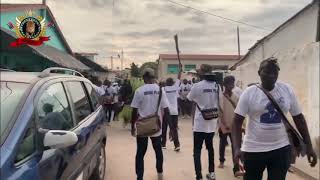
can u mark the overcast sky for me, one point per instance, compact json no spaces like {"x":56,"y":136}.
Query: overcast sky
{"x":145,"y":28}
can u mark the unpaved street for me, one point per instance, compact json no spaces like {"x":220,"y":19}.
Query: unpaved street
{"x":121,"y":150}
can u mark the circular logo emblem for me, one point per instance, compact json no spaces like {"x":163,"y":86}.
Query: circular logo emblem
{"x":30,"y":28}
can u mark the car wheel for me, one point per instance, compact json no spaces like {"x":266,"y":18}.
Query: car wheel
{"x":100,"y":169}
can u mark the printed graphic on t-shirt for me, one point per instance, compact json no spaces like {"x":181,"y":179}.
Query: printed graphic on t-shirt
{"x":172,"y":91}
{"x":272,"y":116}
{"x":150,"y":92}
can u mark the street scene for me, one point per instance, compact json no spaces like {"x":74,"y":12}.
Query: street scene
{"x":159,"y":90}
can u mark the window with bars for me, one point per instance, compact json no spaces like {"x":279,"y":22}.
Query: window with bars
{"x":172,"y":69}
{"x":189,"y":67}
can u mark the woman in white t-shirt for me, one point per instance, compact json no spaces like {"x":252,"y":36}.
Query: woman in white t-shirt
{"x":266,"y":143}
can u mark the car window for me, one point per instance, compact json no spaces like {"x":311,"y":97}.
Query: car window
{"x":93,"y":96}
{"x":53,"y":109}
{"x":80,"y":101}
{"x":27,"y":145}
{"x":10,"y":97}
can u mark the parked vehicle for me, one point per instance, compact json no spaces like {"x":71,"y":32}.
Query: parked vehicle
{"x":52,"y":127}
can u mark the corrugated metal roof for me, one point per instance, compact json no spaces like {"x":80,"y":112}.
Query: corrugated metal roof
{"x":199,"y":57}
{"x":48,"y":52}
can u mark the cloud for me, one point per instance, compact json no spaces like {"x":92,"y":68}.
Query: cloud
{"x":167,"y":7}
{"x":198,"y":18}
{"x":145,"y":28}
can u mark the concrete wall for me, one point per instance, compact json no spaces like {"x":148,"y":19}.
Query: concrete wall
{"x":298,"y":54}
{"x":163,"y":64}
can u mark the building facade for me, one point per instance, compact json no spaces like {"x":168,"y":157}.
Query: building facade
{"x":168,"y":63}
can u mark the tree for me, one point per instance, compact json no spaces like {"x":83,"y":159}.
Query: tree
{"x":135,"y":70}
{"x":152,"y":65}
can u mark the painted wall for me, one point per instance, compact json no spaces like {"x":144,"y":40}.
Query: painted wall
{"x":55,"y":39}
{"x":298,"y":56}
{"x":25,"y":61}
{"x":163,"y":64}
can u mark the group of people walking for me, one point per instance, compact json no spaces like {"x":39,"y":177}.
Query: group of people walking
{"x":267,"y":143}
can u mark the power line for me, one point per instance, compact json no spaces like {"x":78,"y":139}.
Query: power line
{"x":218,"y":16}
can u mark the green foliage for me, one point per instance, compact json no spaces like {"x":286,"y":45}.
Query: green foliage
{"x":135,"y":70}
{"x":152,"y":65}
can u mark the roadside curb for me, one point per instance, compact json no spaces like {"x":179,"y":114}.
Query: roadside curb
{"x":303,"y":174}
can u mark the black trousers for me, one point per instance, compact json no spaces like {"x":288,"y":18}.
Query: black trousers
{"x":108,"y":109}
{"x":222,"y":145}
{"x":173,"y":125}
{"x":277,"y":163}
{"x":142,"y":145}
{"x":184,"y":106}
{"x":198,"y":138}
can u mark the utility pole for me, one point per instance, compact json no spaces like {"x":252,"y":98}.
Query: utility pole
{"x":111,"y":62}
{"x":122,"y":60}
{"x":238,"y":37}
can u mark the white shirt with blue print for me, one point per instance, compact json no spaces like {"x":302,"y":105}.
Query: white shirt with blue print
{"x":265,"y":130}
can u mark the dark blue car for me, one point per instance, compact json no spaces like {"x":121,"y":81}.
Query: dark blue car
{"x":52,"y":127}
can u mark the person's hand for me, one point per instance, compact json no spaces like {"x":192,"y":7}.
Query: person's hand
{"x":312,"y":157}
{"x":238,"y":155}
{"x":133,"y":132}
{"x":228,"y":128}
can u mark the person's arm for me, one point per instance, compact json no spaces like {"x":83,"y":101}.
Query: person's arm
{"x":135,"y":104}
{"x":236,"y":135}
{"x":302,"y":127}
{"x":134,"y":119}
{"x":300,"y":122}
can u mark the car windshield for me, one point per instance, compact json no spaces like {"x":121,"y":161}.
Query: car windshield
{"x":11,"y":94}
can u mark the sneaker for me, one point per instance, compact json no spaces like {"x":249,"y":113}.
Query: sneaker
{"x":221,"y":165}
{"x":238,"y":173}
{"x":160,"y":176}
{"x":177,"y":149}
{"x":211,"y":176}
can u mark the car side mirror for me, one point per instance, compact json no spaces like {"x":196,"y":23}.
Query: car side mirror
{"x":59,"y":139}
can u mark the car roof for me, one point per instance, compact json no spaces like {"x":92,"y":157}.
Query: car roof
{"x":29,"y":77}
{"x":24,"y":77}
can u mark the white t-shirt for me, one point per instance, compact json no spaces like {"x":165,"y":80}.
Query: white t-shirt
{"x":172,"y":93}
{"x":185,"y":89}
{"x":146,"y":100}
{"x":265,"y":130}
{"x":98,"y":89}
{"x":109,"y":91}
{"x":237,"y":91}
{"x":205,"y":94}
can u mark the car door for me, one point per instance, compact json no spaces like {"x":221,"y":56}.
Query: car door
{"x":53,"y":112}
{"x":87,"y":126}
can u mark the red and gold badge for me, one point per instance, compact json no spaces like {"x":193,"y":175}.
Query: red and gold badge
{"x":30,"y":29}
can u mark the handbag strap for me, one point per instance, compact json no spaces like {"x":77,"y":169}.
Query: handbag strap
{"x":229,"y":99}
{"x":276,"y":105}
{"x":159,"y":100}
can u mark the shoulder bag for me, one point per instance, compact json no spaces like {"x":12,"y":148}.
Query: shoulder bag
{"x":149,"y":125}
{"x":296,"y":141}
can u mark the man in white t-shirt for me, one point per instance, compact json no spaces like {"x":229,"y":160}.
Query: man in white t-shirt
{"x":205,"y":94}
{"x":185,"y":88}
{"x":172,"y":92}
{"x":108,"y":99}
{"x":266,"y":143}
{"x":144,"y":104}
